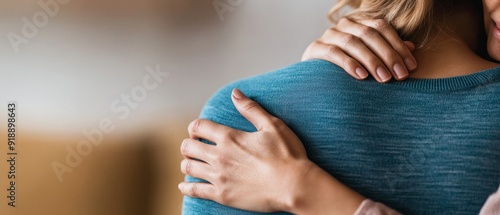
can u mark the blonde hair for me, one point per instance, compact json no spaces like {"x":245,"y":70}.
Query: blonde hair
{"x":411,"y":18}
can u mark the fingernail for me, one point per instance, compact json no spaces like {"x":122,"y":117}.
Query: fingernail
{"x":361,"y":73}
{"x":401,"y":72}
{"x":179,"y":186}
{"x":237,"y":94}
{"x":410,"y":45}
{"x":383,"y":74}
{"x":410,"y":64}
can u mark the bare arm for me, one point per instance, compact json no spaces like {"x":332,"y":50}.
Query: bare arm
{"x":368,"y":207}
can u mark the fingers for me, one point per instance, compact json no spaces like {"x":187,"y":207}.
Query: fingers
{"x":198,"y":190}
{"x":197,"y":169}
{"x":384,"y":41}
{"x":251,"y":110}
{"x":357,"y":49}
{"x":211,"y":131}
{"x":404,"y":48}
{"x":318,"y":50}
{"x":378,"y":45}
{"x":411,"y":47}
{"x":191,"y":148}
{"x":372,"y":44}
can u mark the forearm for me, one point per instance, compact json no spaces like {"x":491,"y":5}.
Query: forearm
{"x":317,"y":192}
{"x":492,"y":205}
{"x":369,"y":207}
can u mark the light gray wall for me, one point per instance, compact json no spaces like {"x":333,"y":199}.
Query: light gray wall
{"x":68,"y":75}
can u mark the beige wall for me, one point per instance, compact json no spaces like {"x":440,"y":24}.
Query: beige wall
{"x":125,"y":174}
{"x":92,"y":52}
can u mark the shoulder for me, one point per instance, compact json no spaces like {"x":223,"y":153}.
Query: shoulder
{"x":295,"y":79}
{"x":299,"y":75}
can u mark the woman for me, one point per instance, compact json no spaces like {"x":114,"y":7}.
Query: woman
{"x":341,"y":199}
{"x":385,"y":48}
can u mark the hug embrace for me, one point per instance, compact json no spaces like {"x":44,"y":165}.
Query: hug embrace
{"x":395,"y":109}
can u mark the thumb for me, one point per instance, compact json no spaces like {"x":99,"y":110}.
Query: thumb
{"x":251,"y":110}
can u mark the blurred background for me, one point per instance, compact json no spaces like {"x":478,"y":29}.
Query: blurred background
{"x":70,"y":64}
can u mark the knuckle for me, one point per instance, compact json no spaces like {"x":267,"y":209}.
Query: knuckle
{"x":332,"y":50}
{"x":224,"y":197}
{"x":329,"y":33}
{"x":397,"y":48}
{"x":222,"y":178}
{"x":185,"y":146}
{"x":278,"y":124}
{"x":349,"y":39}
{"x":342,"y":21}
{"x":222,"y":161}
{"x":390,"y":55}
{"x":248,"y":105}
{"x":274,"y":121}
{"x":228,"y":136}
{"x":366,"y":31}
{"x":194,"y":126}
{"x":188,"y":167}
{"x":380,"y":24}
{"x":315,"y":44}
{"x":193,"y":190}
{"x":401,"y":47}
{"x":182,"y":167}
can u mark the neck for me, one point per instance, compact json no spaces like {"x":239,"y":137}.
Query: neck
{"x":447,"y":55}
{"x":451,"y":51}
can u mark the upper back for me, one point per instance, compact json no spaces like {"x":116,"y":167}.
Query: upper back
{"x":419,"y":146}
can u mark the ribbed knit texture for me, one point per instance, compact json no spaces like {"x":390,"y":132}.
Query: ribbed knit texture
{"x":420,"y":146}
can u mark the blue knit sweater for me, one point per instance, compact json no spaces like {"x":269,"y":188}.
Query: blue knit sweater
{"x":421,"y":146}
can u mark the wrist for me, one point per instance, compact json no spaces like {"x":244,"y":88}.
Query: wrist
{"x":317,"y":192}
{"x":297,"y":193}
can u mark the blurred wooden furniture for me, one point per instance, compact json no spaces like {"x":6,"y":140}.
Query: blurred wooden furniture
{"x":124,"y":175}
